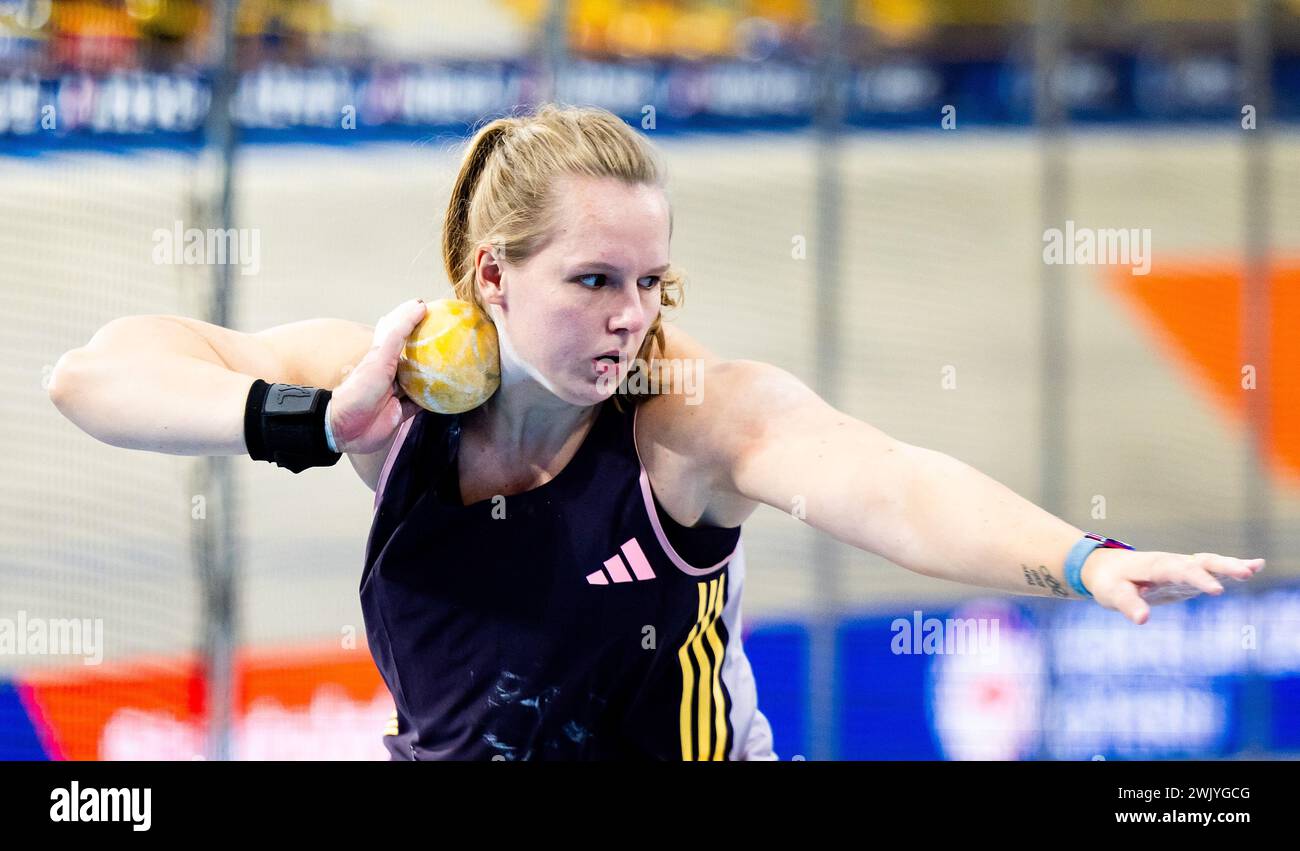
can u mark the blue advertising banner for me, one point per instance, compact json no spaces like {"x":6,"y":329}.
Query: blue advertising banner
{"x":1011,"y":679}
{"x":343,"y":104}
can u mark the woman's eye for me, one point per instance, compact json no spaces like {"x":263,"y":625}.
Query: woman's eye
{"x":647,"y":283}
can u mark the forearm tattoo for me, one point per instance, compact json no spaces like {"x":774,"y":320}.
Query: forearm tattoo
{"x":1042,"y":578}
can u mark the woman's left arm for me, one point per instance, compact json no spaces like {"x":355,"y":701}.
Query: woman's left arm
{"x":779,"y":443}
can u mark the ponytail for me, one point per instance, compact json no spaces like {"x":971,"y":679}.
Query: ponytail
{"x":455,"y":232}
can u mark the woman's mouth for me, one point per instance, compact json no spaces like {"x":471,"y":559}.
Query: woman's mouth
{"x":605,"y":364}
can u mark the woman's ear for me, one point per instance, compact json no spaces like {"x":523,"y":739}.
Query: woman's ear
{"x":489,"y":280}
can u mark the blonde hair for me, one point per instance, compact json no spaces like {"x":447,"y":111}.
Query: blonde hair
{"x":503,"y":194}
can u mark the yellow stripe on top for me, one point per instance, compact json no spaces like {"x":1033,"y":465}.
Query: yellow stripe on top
{"x":688,"y":685}
{"x":720,"y":707}
{"x":711,"y":717}
{"x":706,"y":675}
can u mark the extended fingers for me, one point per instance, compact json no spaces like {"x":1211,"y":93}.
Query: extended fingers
{"x":1195,"y":572}
{"x":1237,"y":568}
{"x":1172,"y":576}
{"x":1152,"y":579}
{"x":1127,"y":601}
{"x":1212,"y":564}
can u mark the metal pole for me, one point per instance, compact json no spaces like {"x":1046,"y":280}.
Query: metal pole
{"x":1256,"y":61}
{"x":1049,"y":117}
{"x":555,"y":48}
{"x":831,"y":79}
{"x":215,"y":539}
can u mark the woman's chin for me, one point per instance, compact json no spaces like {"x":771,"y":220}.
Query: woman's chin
{"x":580,"y":394}
{"x":595,"y":391}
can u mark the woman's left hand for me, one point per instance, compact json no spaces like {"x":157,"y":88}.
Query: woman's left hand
{"x":1131,"y":581}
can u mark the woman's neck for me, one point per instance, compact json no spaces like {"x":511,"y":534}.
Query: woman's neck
{"x":527,"y":424}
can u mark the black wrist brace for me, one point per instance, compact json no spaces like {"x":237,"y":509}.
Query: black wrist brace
{"x":285,"y":423}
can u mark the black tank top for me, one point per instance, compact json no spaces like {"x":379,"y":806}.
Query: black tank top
{"x":576,"y":620}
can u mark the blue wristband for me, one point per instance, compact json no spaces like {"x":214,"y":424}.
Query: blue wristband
{"x":1079,"y":553}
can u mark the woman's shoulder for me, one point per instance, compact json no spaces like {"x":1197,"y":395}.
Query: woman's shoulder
{"x":694,"y":441}
{"x":711,"y":405}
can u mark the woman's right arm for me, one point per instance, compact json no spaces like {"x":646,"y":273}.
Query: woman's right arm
{"x":179,"y":386}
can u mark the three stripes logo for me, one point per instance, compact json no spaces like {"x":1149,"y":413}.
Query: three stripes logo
{"x":704,"y":726}
{"x":618,"y":570}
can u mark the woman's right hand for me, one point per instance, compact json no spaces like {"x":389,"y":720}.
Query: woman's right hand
{"x":369,"y":406}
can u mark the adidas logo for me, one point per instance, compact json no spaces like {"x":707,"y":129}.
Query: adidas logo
{"x":618,"y":570}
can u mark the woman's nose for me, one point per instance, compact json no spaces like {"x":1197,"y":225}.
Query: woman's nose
{"x":630,"y":315}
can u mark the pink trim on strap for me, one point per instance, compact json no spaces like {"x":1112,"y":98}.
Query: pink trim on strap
{"x":648,"y":495}
{"x":392,"y":456}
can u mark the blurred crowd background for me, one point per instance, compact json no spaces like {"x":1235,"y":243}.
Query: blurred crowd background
{"x":862,"y":192}
{"x":100,"y":35}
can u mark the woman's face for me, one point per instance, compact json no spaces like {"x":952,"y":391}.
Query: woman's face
{"x":592,"y":289}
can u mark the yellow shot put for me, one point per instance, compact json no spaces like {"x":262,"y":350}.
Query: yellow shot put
{"x":451,"y":362}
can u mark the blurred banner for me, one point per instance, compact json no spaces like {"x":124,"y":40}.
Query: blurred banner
{"x":989,"y":679}
{"x":383,"y":100}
